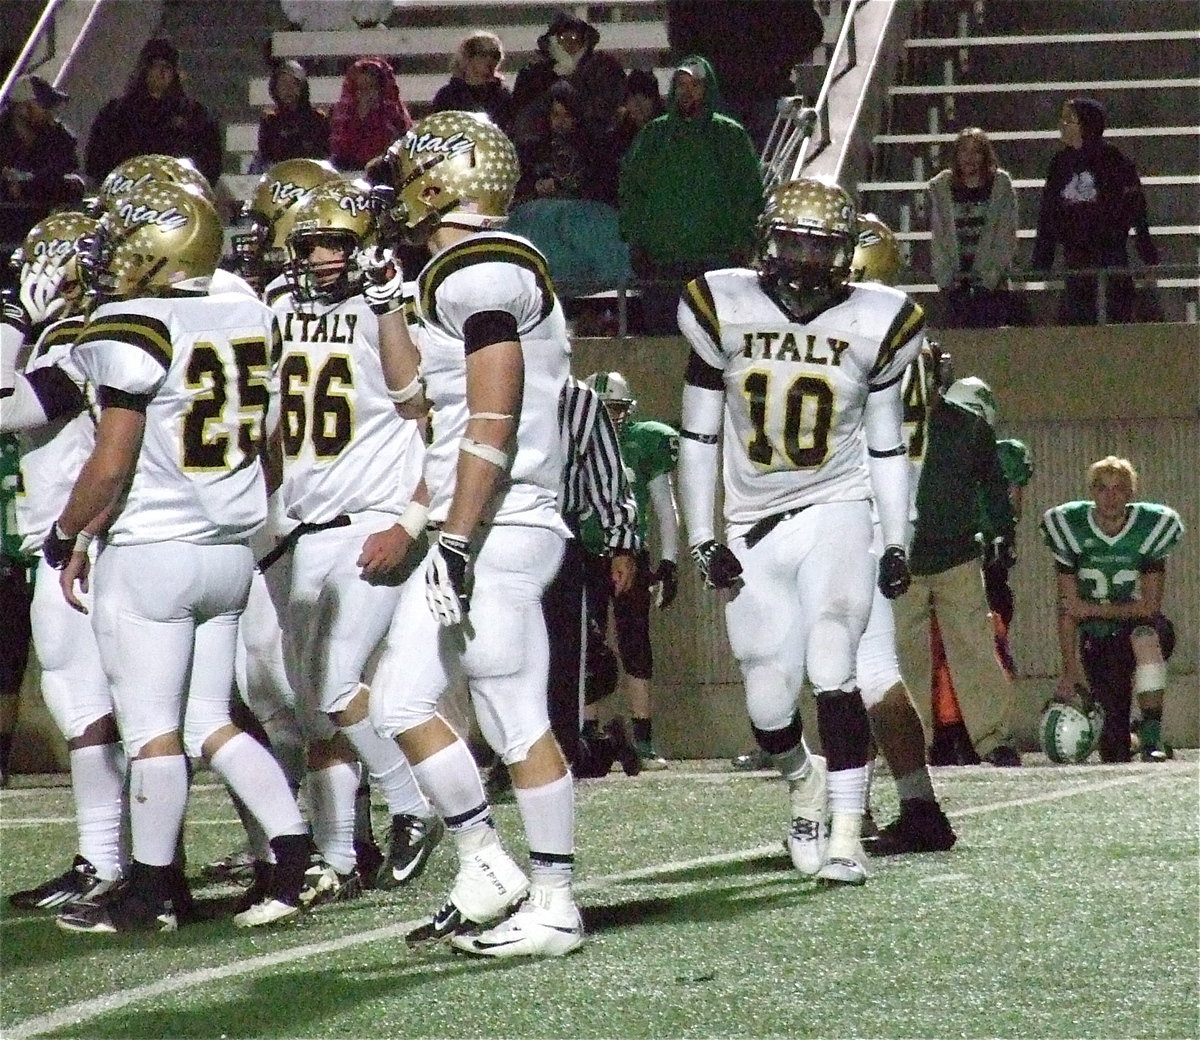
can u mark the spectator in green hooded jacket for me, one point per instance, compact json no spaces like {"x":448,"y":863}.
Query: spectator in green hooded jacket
{"x":690,"y":193}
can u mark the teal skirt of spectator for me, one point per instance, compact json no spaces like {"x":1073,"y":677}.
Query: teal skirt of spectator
{"x":579,"y":239}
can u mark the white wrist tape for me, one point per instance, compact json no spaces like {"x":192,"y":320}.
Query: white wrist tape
{"x":83,"y":540}
{"x":495,"y":456}
{"x":406,"y":393}
{"x":489,"y":415}
{"x":413,"y":519}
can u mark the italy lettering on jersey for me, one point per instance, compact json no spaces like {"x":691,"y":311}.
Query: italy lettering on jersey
{"x":494,"y":271}
{"x":795,"y":393}
{"x":54,"y":454}
{"x":202,"y":366}
{"x":345,"y":448}
{"x":1108,"y":567}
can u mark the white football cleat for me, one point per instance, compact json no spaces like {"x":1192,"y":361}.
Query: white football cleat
{"x":845,"y":861}
{"x":265,"y":912}
{"x":547,"y":924}
{"x":487,"y":885}
{"x":808,"y":834}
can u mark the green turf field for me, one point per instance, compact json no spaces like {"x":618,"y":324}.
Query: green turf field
{"x":1069,"y":908}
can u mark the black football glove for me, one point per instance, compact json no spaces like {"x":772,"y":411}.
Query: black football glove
{"x":665,"y":584}
{"x":894,"y":577}
{"x":449,"y":579}
{"x":719,"y":568}
{"x":57,"y":548}
{"x":383,"y":281}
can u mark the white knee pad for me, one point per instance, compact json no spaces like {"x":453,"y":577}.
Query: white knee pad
{"x":1150,"y":671}
{"x":770,"y":697}
{"x":830,"y":661}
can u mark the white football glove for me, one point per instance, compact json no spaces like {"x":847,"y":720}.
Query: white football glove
{"x":449,"y":578}
{"x":383,"y":284}
{"x":41,"y":281}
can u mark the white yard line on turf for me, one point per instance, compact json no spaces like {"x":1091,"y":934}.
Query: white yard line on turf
{"x":87,"y":1009}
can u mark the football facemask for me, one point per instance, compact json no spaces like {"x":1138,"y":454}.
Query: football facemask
{"x":331,"y":225}
{"x":259,"y":243}
{"x":807,"y":235}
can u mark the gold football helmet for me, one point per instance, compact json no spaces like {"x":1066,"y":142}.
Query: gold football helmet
{"x":457,"y":168}
{"x":806,"y":238}
{"x":151,"y":169}
{"x":877,"y":256}
{"x":335,"y":216}
{"x":158,"y":238}
{"x":258,"y":244}
{"x":48,"y":265}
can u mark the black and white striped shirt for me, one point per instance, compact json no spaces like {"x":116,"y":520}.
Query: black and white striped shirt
{"x":594,"y":478}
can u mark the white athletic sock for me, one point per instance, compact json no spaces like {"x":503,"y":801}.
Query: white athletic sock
{"x":548,"y":813}
{"x":98,"y":784}
{"x":331,"y":792}
{"x":388,"y":769}
{"x":450,"y":778}
{"x":158,"y":790}
{"x":251,"y":772}
{"x":848,"y":790}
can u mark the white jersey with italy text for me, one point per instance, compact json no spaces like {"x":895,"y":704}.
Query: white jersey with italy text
{"x":795,"y":392}
{"x":201,"y":367}
{"x":345,"y":448}
{"x":493,"y":271}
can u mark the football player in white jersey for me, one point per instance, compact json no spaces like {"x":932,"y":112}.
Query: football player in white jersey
{"x":175,"y":483}
{"x":895,"y":723}
{"x":56,"y":411}
{"x":792,"y":367}
{"x":351,"y":466}
{"x":493,"y":358}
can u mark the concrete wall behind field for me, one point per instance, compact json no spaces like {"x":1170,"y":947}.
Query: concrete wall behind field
{"x":1073,"y":395}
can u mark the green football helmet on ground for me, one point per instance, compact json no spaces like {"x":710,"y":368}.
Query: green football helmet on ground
{"x":1067,"y":733}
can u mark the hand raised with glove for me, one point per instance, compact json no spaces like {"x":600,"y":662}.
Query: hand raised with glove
{"x":894,"y":576}
{"x":719,"y":568}
{"x":383,"y":284}
{"x":449,"y":579}
{"x":40,"y":283}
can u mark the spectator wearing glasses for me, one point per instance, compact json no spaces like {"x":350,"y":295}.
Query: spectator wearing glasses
{"x":475,"y":83}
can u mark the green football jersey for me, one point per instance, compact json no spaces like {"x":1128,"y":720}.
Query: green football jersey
{"x":1108,"y":568}
{"x":649,"y":449}
{"x":10,"y":487}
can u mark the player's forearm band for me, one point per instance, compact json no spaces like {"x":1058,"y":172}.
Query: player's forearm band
{"x":900,"y":449}
{"x":495,"y":456}
{"x":501,"y":416}
{"x":414,"y":519}
{"x":703,"y":438}
{"x":405,"y":393}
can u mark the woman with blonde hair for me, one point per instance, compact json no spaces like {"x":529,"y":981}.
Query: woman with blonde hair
{"x":973,"y":225}
{"x":475,"y":82}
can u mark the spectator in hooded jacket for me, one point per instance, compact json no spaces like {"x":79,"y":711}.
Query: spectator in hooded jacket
{"x":567,"y":50}
{"x":368,"y":116}
{"x":1092,"y":198}
{"x":294,"y":129}
{"x":475,"y":81}
{"x":155,"y":116}
{"x":690,"y":193}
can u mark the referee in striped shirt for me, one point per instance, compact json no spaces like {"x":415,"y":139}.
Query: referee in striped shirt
{"x":594,"y":481}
